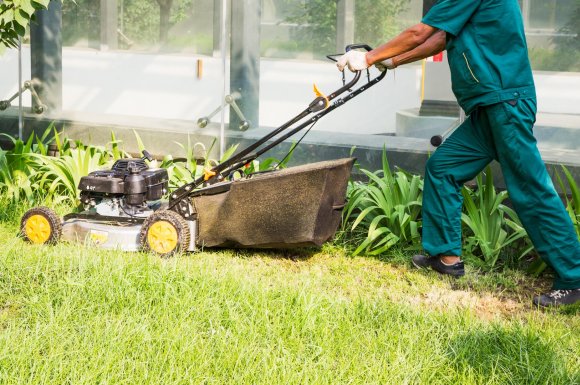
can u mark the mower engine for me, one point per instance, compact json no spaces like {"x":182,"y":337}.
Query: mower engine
{"x":130,"y":188}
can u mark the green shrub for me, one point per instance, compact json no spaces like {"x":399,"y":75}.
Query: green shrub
{"x":18,"y":168}
{"x":61,"y":175}
{"x":573,"y":201}
{"x":572,"y":207}
{"x":492,"y":226}
{"x":387,"y":208}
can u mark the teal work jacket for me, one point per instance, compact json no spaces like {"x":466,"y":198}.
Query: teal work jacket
{"x":487,"y":50}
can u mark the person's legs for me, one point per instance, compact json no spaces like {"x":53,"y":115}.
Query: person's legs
{"x":531,"y":190}
{"x":459,"y":159}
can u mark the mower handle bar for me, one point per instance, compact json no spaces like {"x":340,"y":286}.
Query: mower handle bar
{"x":320,"y":105}
{"x":349,"y":47}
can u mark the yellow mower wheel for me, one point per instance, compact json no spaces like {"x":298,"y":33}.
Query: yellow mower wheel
{"x":40,"y":225}
{"x":164,"y":232}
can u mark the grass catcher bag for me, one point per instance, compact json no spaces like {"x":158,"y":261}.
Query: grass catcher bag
{"x":294,"y":207}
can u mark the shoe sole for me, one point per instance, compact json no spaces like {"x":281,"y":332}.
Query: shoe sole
{"x":417,"y":266}
{"x":429,"y":267}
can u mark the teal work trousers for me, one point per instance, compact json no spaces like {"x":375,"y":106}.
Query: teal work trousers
{"x":502,"y":132}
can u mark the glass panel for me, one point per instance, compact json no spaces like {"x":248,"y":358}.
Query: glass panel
{"x":80,"y":23}
{"x":551,"y":14}
{"x":377,"y":21}
{"x":167,"y":25}
{"x":9,"y":76}
{"x":144,"y":65}
{"x":150,"y":25}
{"x":552,"y":32}
{"x":307,"y":30}
{"x":142,"y":69}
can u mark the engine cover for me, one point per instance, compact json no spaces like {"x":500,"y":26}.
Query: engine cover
{"x":112,"y":182}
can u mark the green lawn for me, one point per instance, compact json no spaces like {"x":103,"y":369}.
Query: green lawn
{"x":76,"y":315}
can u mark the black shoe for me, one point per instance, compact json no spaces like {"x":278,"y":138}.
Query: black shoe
{"x":455,"y":270}
{"x":558,"y":298}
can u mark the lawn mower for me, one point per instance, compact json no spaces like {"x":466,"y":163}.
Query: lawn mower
{"x":124,"y":208}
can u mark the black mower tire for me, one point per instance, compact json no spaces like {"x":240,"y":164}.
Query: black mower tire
{"x":164,"y":233}
{"x":41,"y":225}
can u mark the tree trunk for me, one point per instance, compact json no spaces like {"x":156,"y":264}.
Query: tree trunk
{"x":164,"y":13}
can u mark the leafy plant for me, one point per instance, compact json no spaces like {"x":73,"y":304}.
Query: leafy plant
{"x":17,"y":167}
{"x":116,"y":151}
{"x":193,"y":165}
{"x":387,"y":208}
{"x":573,"y":201}
{"x":15,"y":15}
{"x":268,"y":164}
{"x":572,"y":207}
{"x":485,"y":216}
{"x":61,"y":176}
{"x":15,"y":184}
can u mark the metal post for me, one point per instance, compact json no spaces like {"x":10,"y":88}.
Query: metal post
{"x":94,"y":24}
{"x":525,"y":5}
{"x":223,"y":47}
{"x":245,"y":60}
{"x":103,"y":24}
{"x":46,"y":55}
{"x":109,"y":24}
{"x":437,"y":97}
{"x":220,"y":10}
{"x":20,"y":120}
{"x":344,"y":24}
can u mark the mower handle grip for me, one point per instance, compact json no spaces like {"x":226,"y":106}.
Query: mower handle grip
{"x":350,"y":47}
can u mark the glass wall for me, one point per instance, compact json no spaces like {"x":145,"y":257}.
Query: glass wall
{"x":143,"y":26}
{"x":307,"y":31}
{"x":150,"y":65}
{"x":159,"y":64}
{"x":414,"y":101}
{"x":552,"y":31}
{"x":309,"y":28}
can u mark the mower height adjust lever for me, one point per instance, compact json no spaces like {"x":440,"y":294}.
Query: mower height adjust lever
{"x":147,"y":156}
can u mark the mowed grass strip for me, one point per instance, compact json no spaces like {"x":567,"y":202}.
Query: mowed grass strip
{"x":79,"y":315}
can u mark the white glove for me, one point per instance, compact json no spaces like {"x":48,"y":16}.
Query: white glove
{"x":355,"y":60}
{"x":384,"y":65}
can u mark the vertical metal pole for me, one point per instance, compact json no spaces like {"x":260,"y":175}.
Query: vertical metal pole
{"x":436,"y":96}
{"x":20,"y":120}
{"x":344,"y":24}
{"x":525,"y":4}
{"x":109,"y":24}
{"x":218,"y":12}
{"x":223,"y":49}
{"x":122,"y":16}
{"x":46,"y":55}
{"x":245,"y":60}
{"x":94,"y":24}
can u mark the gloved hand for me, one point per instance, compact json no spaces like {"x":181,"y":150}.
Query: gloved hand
{"x":384,"y":65}
{"x":355,"y":60}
